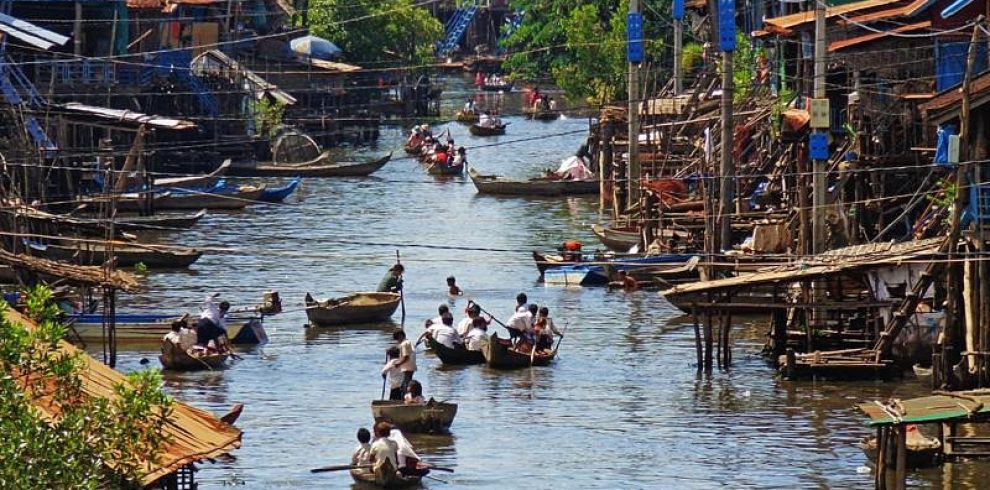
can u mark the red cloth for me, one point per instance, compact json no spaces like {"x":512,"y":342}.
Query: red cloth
{"x":441,"y":158}
{"x":572,"y":246}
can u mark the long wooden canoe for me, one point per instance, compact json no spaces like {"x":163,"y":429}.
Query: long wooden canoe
{"x":383,"y":475}
{"x":172,"y":200}
{"x":433,"y":417}
{"x":543,"y":115}
{"x":455,"y":357}
{"x":174,"y":358}
{"x":148,"y":328}
{"x":494,"y":185}
{"x":364,"y":307}
{"x":321,"y":166}
{"x":84,"y":253}
{"x":207,"y":180}
{"x":437,"y":169}
{"x":618,"y":239}
{"x":159,"y":222}
{"x":499,"y":354}
{"x":278,"y":194}
{"x":479,"y":130}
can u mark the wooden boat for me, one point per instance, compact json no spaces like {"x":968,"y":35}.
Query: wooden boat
{"x":538,"y":187}
{"x":479,"y":130}
{"x":126,"y":254}
{"x":499,"y":354}
{"x":159,"y":222}
{"x":628,"y":263}
{"x":321,"y":166}
{"x":279,"y":194}
{"x":436,"y":169}
{"x":208,"y":180}
{"x":467,"y":117}
{"x":176,"y":200}
{"x":352,"y":309}
{"x":413,"y":150}
{"x":173,"y":358}
{"x":430,"y":418}
{"x":455,"y":357}
{"x":384,"y":475}
{"x":575,"y":275}
{"x":618,"y":239}
{"x":504,"y":87}
{"x":147,"y":328}
{"x":543,"y":115}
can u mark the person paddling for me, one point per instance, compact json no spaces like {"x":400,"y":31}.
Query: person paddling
{"x":392,"y":372}
{"x":407,"y":358}
{"x":392,"y":282}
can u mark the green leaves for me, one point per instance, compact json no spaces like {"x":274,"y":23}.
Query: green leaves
{"x":377,"y":31}
{"x":78,"y":442}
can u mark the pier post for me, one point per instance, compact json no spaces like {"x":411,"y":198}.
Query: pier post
{"x":634,"y":101}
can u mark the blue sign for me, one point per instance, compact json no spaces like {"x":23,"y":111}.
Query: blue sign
{"x":679,"y":9}
{"x":818,"y":146}
{"x":727,"y":25}
{"x":634,"y":36}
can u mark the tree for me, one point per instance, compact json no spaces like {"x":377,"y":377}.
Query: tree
{"x":87,"y":442}
{"x":377,"y":31}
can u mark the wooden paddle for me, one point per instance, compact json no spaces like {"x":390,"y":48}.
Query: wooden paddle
{"x":487,"y":313}
{"x":342,"y":467}
{"x":384,"y":378}
{"x":402,"y":294}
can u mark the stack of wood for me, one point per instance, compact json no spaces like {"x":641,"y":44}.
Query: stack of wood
{"x":84,"y":275}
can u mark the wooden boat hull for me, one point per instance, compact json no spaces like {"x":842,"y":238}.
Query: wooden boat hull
{"x":354,"y":309}
{"x":493,"y":185}
{"x":174,"y":358}
{"x":159,"y":222}
{"x":628,"y":263}
{"x":434,"y":417}
{"x":384,"y":476}
{"x":194,"y":200}
{"x":575,"y":275}
{"x":543,"y":115}
{"x":279,"y":194}
{"x":467,"y":117}
{"x":478,"y":130}
{"x":445,"y":170}
{"x":322,"y":166}
{"x":617,"y":239}
{"x":455,"y":357}
{"x":498,"y":355}
{"x":150,"y":328}
{"x":126,"y":256}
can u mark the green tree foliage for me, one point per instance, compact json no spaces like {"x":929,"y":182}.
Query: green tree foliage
{"x":91,"y":442}
{"x":374,"y":31}
{"x":581,"y":45}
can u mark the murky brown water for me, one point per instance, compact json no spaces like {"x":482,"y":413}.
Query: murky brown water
{"x":623,"y":406}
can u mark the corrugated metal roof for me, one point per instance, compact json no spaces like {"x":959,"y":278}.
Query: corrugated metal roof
{"x":194,"y":434}
{"x":909,"y":10}
{"x":946,"y":105}
{"x":27,"y":32}
{"x":785,"y":23}
{"x":213,"y":60}
{"x":960,"y":405}
{"x":123,"y":115}
{"x":838,"y":260}
{"x":874,"y":36}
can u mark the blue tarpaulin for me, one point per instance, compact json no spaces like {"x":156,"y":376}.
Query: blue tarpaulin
{"x":950,"y":59}
{"x":942,"y":146}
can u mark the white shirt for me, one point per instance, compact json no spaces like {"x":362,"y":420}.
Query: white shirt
{"x":406,"y":349}
{"x":522,"y":320}
{"x":445,"y":335}
{"x":474,"y":338}
{"x":362,"y":454}
{"x":173,"y":337}
{"x":574,"y":168}
{"x":484,"y":120}
{"x":465,"y":326}
{"x":391,"y":369}
{"x":403,"y":448}
{"x":384,"y":448}
{"x":211,"y":312}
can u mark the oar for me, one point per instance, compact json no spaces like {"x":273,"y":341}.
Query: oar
{"x":384,"y":378}
{"x":489,"y":314}
{"x":342,"y":467}
{"x":439,"y":468}
{"x":402,"y":294}
{"x":435,"y":479}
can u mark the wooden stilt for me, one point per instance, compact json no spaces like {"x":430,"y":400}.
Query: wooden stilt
{"x":697,"y":336}
{"x":901,"y":471}
{"x":708,"y":342}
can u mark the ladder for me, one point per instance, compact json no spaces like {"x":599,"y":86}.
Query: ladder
{"x":455,"y":28}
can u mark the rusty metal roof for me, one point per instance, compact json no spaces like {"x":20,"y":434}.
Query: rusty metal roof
{"x":784,"y":23}
{"x":874,"y":36}
{"x":125,"y":116}
{"x":908,"y":10}
{"x":194,"y":435}
{"x":961,"y":405}
{"x":947,"y":104}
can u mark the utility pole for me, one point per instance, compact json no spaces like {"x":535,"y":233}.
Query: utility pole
{"x":819,"y":168}
{"x":678,"y":46}
{"x":634,"y":35}
{"x":727,"y":44}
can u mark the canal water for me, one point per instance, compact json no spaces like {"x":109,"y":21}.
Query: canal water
{"x":622,"y":407}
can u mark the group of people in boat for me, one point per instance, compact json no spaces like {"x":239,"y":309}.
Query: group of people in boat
{"x":388,"y":445}
{"x":433,"y":151}
{"x":531,"y":326}
{"x":541,"y":102}
{"x":209,"y":336}
{"x":399,"y":369}
{"x":489,"y":119}
{"x":490,"y":80}
{"x":469,"y":333}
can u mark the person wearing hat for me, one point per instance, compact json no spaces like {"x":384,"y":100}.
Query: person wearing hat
{"x":392,"y":282}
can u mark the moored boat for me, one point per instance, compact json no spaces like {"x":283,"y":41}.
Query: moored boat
{"x":455,"y":357}
{"x":628,"y":263}
{"x":159,"y":222}
{"x":538,"y":187}
{"x":173,"y":358}
{"x":190,"y":199}
{"x":321,"y":166}
{"x":149,"y":328}
{"x":575,"y":275}
{"x":125,"y":253}
{"x":207,"y":180}
{"x":500,"y":354}
{"x":479,"y":130}
{"x":279,"y":194}
{"x":618,"y":239}
{"x":363,"y":307}
{"x":432,"y":417}
{"x":383,"y":475}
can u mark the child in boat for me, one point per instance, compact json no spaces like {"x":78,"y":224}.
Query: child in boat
{"x":414,"y":395}
{"x":452,"y":288}
{"x":392,"y":373}
{"x":479,"y":331}
{"x":544,"y":329}
{"x":442,"y":332}
{"x":362,"y":453}
{"x":384,"y":448}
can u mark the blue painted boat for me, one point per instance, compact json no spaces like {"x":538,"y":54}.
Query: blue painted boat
{"x":278,"y":194}
{"x":545,"y":262}
{"x":150,"y":328}
{"x":575,"y":275}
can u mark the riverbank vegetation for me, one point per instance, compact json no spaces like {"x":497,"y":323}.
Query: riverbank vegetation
{"x":390,"y":32}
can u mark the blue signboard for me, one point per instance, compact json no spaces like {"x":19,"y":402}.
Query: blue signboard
{"x":634,"y":36}
{"x":678,"y":9}
{"x":727,"y":25}
{"x":818,"y":146}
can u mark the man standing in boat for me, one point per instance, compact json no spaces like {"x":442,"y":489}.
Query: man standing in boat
{"x":407,"y":358}
{"x":392,"y":282}
{"x":210,"y":327}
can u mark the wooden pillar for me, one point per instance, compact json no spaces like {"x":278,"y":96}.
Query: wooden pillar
{"x":697,"y":336}
{"x":901,"y":469}
{"x":708,"y":340}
